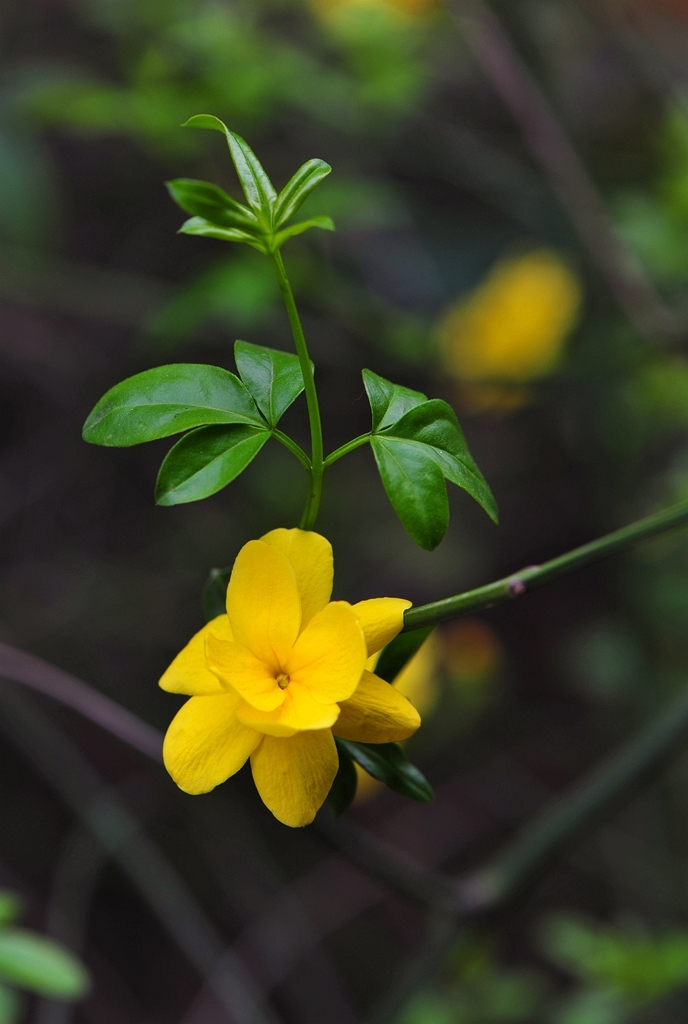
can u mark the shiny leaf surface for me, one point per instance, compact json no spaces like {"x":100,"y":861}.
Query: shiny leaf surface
{"x":167,"y":400}
{"x":273,"y":378}
{"x":206,"y":460}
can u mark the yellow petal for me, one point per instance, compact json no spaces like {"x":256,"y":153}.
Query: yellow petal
{"x":381,"y":618}
{"x":329,"y":656}
{"x":189,"y":672}
{"x":240,"y":670}
{"x":376,"y":713}
{"x":294,"y":776}
{"x":310,"y":556}
{"x":263,"y":602}
{"x":300,"y":711}
{"x":206,"y":743}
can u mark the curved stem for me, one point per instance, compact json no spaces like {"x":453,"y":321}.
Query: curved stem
{"x":346,"y":448}
{"x":310,"y":511}
{"x":513,"y":586}
{"x":293,"y":447}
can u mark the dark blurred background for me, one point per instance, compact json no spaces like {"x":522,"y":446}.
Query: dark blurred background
{"x":455,"y":270}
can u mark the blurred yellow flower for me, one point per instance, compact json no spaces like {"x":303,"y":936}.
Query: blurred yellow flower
{"x":471,"y":652}
{"x":511,"y":330}
{"x":276,"y":676}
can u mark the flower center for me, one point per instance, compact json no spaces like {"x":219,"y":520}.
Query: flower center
{"x":282,"y":680}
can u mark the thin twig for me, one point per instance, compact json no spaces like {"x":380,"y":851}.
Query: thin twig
{"x":39,"y":675}
{"x":123,"y":837}
{"x":517,"y":584}
{"x":567,"y":175}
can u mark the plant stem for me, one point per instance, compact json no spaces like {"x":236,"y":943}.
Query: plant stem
{"x":345,"y":449}
{"x":513,"y":586}
{"x":310,"y":511}
{"x":293,"y":447}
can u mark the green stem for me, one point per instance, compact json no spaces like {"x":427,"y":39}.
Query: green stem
{"x":310,"y":511}
{"x":293,"y":447}
{"x":345,"y":449}
{"x":513,"y":586}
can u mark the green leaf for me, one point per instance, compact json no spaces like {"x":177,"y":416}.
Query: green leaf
{"x":167,"y":400}
{"x":258,"y":189}
{"x":343,"y":788}
{"x":399,"y":652}
{"x":326,"y":223}
{"x":206,"y":460}
{"x":202,"y":227}
{"x":298,"y":188}
{"x":434,"y":426}
{"x":273,"y":378}
{"x":415,"y":486}
{"x":388,"y":763}
{"x":417,"y":444}
{"x":34,"y":962}
{"x":202,"y":199}
{"x":388,"y":402}
{"x":215,"y":593}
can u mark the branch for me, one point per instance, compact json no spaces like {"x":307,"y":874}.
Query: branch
{"x":567,"y":175}
{"x":39,"y":675}
{"x":511,"y":587}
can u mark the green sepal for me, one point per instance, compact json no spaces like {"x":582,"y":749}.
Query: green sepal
{"x":206,"y":460}
{"x":41,"y":965}
{"x":298,"y":188}
{"x":326,"y":223}
{"x":415,"y":486}
{"x":215,"y":593}
{"x":204,"y":228}
{"x":388,"y":763}
{"x":258,"y":189}
{"x":167,"y":400}
{"x":399,"y":651}
{"x":388,"y":401}
{"x":345,"y":783}
{"x":202,"y":199}
{"x":273,"y":378}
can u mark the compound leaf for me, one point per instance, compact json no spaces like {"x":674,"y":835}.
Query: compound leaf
{"x":298,"y":188}
{"x":273,"y":378}
{"x":258,"y":189}
{"x":204,"y":228}
{"x":388,"y":402}
{"x":326,"y":223}
{"x":415,"y":486}
{"x":167,"y":400}
{"x":206,"y":460}
{"x":202,"y":199}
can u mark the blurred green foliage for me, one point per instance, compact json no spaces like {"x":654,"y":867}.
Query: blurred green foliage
{"x":33,"y":963}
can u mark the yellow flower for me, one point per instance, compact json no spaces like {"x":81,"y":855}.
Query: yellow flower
{"x":512,"y":328}
{"x":276,"y":676}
